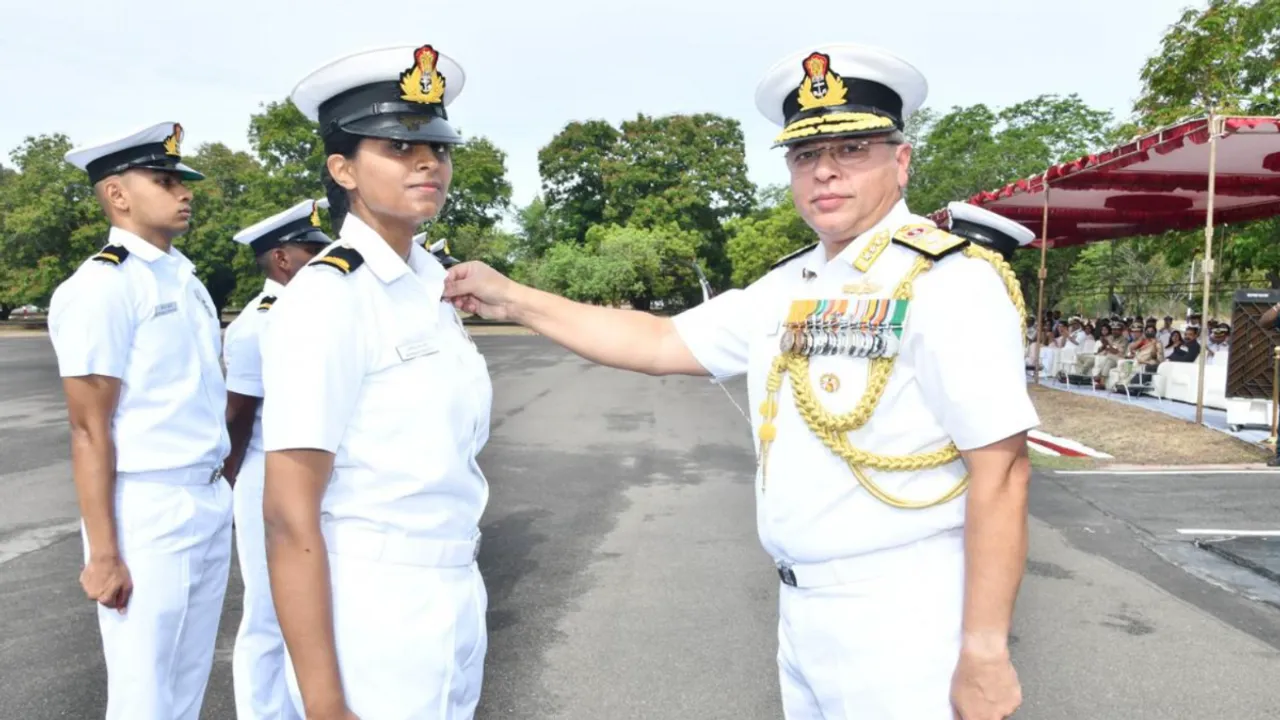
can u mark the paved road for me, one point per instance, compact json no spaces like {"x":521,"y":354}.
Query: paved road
{"x":626,"y":581}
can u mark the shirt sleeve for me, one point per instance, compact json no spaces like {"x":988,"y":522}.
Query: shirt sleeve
{"x":978,"y":391}
{"x":718,"y":332}
{"x":313,"y":363}
{"x":91,"y":323}
{"x":243,"y":357}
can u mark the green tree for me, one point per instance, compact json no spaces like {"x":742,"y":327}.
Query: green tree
{"x":290,"y":151}
{"x":617,"y":264}
{"x":47,"y":213}
{"x":972,"y":149}
{"x":490,"y":245}
{"x":661,"y":257}
{"x":687,"y":170}
{"x":1226,"y":56}
{"x":480,"y":193}
{"x":583,"y":274}
{"x":759,"y":240}
{"x":572,"y":171}
{"x":233,"y":196}
{"x":539,"y":229}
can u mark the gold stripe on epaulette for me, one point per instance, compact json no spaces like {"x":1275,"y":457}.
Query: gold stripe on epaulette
{"x":872,"y":251}
{"x":107,"y":256}
{"x":339,"y":263}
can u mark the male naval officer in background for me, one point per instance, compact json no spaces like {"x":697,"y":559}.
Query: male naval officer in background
{"x":137,"y":341}
{"x":282,"y":244}
{"x":986,"y":228}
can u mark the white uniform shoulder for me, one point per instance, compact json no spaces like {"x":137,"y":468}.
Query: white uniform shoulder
{"x":99,"y":276}
{"x":338,"y":256}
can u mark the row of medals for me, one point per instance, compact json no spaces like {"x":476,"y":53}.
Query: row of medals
{"x":863,"y":328}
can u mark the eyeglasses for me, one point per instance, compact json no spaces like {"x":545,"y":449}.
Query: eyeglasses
{"x":848,"y":154}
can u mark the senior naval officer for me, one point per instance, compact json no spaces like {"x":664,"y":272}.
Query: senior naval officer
{"x":282,"y":244}
{"x":892,"y":476}
{"x":138,"y":341}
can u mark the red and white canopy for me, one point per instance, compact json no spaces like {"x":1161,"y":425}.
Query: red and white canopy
{"x":1156,"y":183}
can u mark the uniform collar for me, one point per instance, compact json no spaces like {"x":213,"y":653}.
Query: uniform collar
{"x":897,"y":216}
{"x":377,"y":254}
{"x":383,"y":261}
{"x":141,"y":248}
{"x":271,"y":287}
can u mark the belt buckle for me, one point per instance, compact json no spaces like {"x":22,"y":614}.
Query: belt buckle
{"x":217,"y":472}
{"x":787,"y":575}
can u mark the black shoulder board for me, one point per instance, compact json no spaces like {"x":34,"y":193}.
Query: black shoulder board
{"x":446,"y":259}
{"x":265,"y":303}
{"x":343,"y":257}
{"x":929,"y":241}
{"x":792,"y":256}
{"x":112,"y":254}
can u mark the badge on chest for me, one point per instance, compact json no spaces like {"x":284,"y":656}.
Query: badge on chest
{"x":416,"y":349}
{"x":869,"y":328}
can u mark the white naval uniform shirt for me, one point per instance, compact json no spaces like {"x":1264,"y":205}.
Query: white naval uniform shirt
{"x":243,"y":356}
{"x":942,"y":388}
{"x":150,"y":322}
{"x":374,"y":368}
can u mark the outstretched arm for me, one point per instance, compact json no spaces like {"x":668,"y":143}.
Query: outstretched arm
{"x":624,"y":339}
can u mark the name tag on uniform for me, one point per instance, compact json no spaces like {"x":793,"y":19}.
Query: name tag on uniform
{"x":166,"y":308}
{"x":416,"y":349}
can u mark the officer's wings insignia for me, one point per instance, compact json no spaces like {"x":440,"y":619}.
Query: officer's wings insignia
{"x":929,"y":240}
{"x":343,"y":257}
{"x":112,"y":254}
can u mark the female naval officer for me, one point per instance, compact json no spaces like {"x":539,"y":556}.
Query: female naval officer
{"x":376,"y":404}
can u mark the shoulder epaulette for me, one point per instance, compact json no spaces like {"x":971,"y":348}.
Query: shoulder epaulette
{"x":929,"y":241}
{"x":343,"y":257}
{"x":265,"y":303}
{"x":112,"y":254}
{"x":788,"y":258}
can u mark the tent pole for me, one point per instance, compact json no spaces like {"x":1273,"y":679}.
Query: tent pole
{"x":1208,"y":257}
{"x":1044,"y":250}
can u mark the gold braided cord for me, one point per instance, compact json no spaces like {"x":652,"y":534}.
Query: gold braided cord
{"x":1005,"y":271}
{"x":832,"y":428}
{"x":877,"y":377}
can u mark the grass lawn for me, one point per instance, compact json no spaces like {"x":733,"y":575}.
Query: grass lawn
{"x":1132,"y":435}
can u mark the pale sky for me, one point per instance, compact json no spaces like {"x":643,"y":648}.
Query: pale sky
{"x":93,"y":70}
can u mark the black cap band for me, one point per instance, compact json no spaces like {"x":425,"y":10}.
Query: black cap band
{"x":984,"y":235}
{"x":368,"y":101}
{"x":151,"y":155}
{"x":866,"y":96}
{"x":298,"y":231}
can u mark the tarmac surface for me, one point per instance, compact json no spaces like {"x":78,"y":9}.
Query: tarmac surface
{"x":626,"y":580}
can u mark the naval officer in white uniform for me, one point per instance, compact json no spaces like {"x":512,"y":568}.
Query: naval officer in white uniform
{"x":376,"y":404}
{"x":137,"y":341}
{"x":283,"y":244}
{"x":892,"y":477}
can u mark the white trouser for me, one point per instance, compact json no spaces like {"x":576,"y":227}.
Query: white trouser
{"x":409,"y":627}
{"x":881,"y":641}
{"x":257,"y":664}
{"x":174,"y":532}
